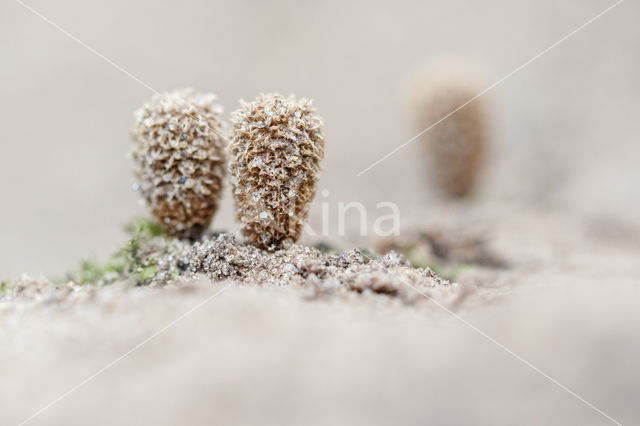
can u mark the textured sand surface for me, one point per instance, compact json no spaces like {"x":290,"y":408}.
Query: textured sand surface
{"x":252,"y":356}
{"x":272,"y":354}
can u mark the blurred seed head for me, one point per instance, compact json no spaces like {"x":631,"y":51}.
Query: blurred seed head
{"x":179,"y":159}
{"x":276,"y":148}
{"x":455,"y":148}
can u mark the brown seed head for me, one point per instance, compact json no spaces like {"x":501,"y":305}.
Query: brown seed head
{"x":276,"y":148}
{"x":456,"y":146}
{"x":179,"y":159}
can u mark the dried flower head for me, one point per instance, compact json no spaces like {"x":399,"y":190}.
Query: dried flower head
{"x":180,"y":160}
{"x":455,"y":146}
{"x":276,"y":148}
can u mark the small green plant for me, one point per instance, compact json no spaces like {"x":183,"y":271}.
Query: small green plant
{"x":414,"y":259}
{"x":276,"y":148}
{"x":139,"y":266}
{"x":325,"y":248}
{"x":446,"y":270}
{"x":367,"y":255}
{"x":128,"y":262}
{"x":457,"y":270}
{"x":92,"y":272}
{"x":4,"y":288}
{"x":143,"y":273}
{"x":179,"y":159}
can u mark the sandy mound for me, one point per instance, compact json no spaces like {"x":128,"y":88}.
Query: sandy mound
{"x":217,"y":331}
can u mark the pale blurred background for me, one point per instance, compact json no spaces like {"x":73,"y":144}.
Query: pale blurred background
{"x":565,"y":131}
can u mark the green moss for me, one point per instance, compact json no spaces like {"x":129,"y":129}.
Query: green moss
{"x":367,"y":254}
{"x":143,"y":273}
{"x":123,"y":263}
{"x":457,"y":269}
{"x":90,"y":272}
{"x":94,"y":272}
{"x":140,"y":269}
{"x":4,"y":288}
{"x":435,"y":268}
{"x":449,"y":272}
{"x":415,"y":260}
{"x":325,"y":248}
{"x":142,"y":226}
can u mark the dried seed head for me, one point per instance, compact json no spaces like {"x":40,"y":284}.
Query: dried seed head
{"x":456,"y":146}
{"x":179,"y":159}
{"x":276,"y":148}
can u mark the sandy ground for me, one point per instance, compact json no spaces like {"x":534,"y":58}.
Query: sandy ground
{"x":249,"y":354}
{"x":558,"y":205}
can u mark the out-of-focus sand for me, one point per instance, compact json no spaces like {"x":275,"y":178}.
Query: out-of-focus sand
{"x":560,"y":203}
{"x":256,"y":357}
{"x":567,"y":305}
